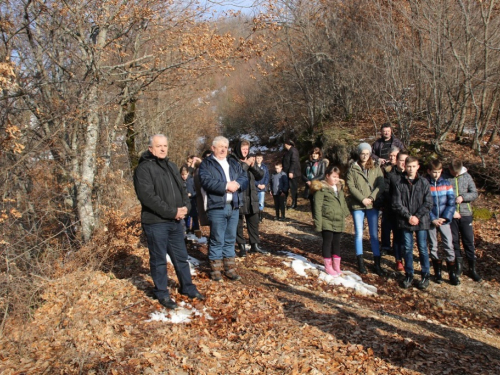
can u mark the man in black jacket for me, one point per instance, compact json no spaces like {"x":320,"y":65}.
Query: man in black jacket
{"x":413,"y":202}
{"x":250,"y":209}
{"x":165,"y":203}
{"x":291,"y":166}
{"x":382,"y":146}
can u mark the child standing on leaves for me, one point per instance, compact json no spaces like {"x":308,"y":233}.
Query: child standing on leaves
{"x":279,"y":191}
{"x":330,"y":211}
{"x":412,"y":202}
{"x":441,"y":217}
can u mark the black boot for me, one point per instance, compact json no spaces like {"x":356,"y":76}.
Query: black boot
{"x":243,"y":250}
{"x":256,"y":249}
{"x":361,"y":265}
{"x":459,"y":261}
{"x":377,"y":269}
{"x":408,"y":281}
{"x":260,"y":216}
{"x":472,"y":271}
{"x":437,"y":264}
{"x":451,"y":272}
{"x":424,"y":283}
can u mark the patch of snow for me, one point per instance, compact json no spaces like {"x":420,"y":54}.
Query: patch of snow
{"x":193,"y":263}
{"x":183,"y":314}
{"x":348,"y":279}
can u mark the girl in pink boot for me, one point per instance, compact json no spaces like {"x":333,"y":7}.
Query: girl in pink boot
{"x":330,"y":211}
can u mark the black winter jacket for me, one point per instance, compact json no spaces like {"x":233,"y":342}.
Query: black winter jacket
{"x":291,"y":162}
{"x":412,"y":199}
{"x":250,"y":196}
{"x":159,"y":188}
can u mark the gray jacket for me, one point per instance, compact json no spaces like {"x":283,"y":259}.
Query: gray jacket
{"x":463,"y":185}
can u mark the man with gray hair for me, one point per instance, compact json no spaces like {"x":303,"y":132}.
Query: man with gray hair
{"x":165,"y":203}
{"x":223,"y":180}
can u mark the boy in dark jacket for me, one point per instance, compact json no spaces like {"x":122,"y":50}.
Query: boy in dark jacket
{"x":461,"y":225}
{"x":412,"y":203}
{"x":279,"y":190}
{"x":441,"y":217}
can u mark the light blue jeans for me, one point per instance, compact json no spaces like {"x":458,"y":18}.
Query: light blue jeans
{"x":262,"y":198}
{"x":372,"y":219}
{"x":223,"y":226}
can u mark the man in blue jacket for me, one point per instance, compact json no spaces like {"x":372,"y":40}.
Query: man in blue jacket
{"x":165,"y":203}
{"x":223,"y":180}
{"x":441,"y":217}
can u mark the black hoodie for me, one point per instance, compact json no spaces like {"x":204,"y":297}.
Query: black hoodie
{"x":159,"y":188}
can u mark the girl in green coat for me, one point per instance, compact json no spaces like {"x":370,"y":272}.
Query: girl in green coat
{"x":330,"y":211}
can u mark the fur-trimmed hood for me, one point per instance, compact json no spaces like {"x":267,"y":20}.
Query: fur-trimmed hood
{"x":318,"y":185}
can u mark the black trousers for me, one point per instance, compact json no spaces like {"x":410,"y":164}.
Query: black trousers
{"x":279,"y":205}
{"x":331,"y":243}
{"x":168,"y":238}
{"x":462,"y":229}
{"x":294,"y":185}
{"x":252,"y":228}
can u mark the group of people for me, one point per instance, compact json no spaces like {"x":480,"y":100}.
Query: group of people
{"x":225,"y":190}
{"x":385,"y":178}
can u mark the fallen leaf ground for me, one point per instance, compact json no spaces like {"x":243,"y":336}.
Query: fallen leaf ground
{"x":271,"y":322}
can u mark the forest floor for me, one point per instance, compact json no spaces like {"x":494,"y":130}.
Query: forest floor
{"x":99,"y":319}
{"x":273,"y":321}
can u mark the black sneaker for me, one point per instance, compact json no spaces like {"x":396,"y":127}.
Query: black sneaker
{"x":424,"y":283}
{"x":168,"y":303}
{"x":195,"y":295}
{"x":408,"y":281}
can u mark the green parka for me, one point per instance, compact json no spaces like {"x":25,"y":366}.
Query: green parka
{"x":330,"y":210}
{"x":362,"y":186}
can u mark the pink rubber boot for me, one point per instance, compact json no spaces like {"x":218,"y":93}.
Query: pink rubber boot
{"x":336,"y":265}
{"x":328,"y":267}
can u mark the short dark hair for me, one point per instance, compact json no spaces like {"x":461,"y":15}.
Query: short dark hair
{"x":456,"y":165}
{"x":259,"y":154}
{"x":435,"y":164}
{"x":412,"y":159}
{"x":290,"y":142}
{"x":278,"y":164}
{"x":183,"y":169}
{"x":332,"y":169}
{"x":386,"y":125}
{"x":403,"y":152}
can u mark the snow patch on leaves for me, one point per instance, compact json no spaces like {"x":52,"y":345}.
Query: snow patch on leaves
{"x":348,"y":279}
{"x":183,"y":314}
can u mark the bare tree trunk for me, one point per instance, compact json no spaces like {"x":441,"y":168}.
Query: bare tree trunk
{"x":89,"y":161}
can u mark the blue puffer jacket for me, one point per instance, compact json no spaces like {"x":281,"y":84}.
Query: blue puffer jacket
{"x":213,"y":180}
{"x":444,"y":199}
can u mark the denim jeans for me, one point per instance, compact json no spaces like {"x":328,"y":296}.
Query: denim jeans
{"x":262,"y":199}
{"x":372,"y":219}
{"x":223,"y":226}
{"x":168,"y":238}
{"x":422,"y":250}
